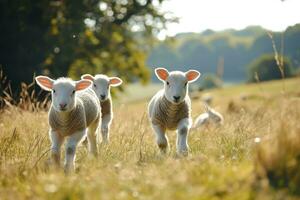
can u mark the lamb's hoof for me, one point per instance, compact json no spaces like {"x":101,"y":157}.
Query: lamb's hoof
{"x":49,"y":166}
{"x":52,"y":165}
{"x":93,"y":155}
{"x":104,"y":143}
{"x":69,"y":170}
{"x":163,"y":148}
{"x":163,"y":152}
{"x":182,"y":154}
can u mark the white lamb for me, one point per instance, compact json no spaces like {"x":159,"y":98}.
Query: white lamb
{"x":210,"y":116}
{"x":170,"y":108}
{"x":74,"y":112}
{"x":101,"y":86}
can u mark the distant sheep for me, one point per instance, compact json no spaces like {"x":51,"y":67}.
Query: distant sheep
{"x":207,"y":98}
{"x":170,"y":108}
{"x":101,"y":86}
{"x":74,"y":112}
{"x":210,"y":116}
{"x":244,"y":96}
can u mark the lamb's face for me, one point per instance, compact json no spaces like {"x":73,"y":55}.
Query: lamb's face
{"x":63,"y":96}
{"x":102,"y":84}
{"x":176,"y":83}
{"x":102,"y":87}
{"x":63,"y":91}
{"x":176,"y":86}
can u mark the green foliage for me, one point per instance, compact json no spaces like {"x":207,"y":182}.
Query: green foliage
{"x":209,"y":81}
{"x":60,"y":38}
{"x":267,"y":68}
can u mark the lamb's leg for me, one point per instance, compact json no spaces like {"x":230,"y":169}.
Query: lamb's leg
{"x":71,"y":145}
{"x":182,"y":136}
{"x":161,"y":138}
{"x":56,"y":142}
{"x":105,"y":123}
{"x":92,"y":138}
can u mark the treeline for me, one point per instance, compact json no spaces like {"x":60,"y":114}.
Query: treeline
{"x":69,"y":38}
{"x":232,"y":50}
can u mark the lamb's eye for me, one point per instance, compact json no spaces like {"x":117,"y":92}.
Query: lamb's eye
{"x":53,"y":91}
{"x":185,"y":84}
{"x":95,"y":85}
{"x":168,"y":83}
{"x":73,"y":92}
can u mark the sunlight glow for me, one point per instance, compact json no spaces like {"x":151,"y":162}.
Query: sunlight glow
{"x":199,"y":15}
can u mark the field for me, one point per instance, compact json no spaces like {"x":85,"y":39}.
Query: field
{"x":222,"y":163}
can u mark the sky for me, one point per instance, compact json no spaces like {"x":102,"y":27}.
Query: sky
{"x":199,"y":15}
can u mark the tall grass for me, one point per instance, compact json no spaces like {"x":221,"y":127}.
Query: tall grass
{"x":27,"y":99}
{"x":278,"y":157}
{"x":223,"y":162}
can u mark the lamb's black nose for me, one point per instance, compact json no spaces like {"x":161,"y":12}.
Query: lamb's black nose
{"x":176,"y":98}
{"x":102,"y":96}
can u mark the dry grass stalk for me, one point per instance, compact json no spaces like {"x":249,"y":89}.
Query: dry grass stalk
{"x":27,"y":99}
{"x":279,"y":59}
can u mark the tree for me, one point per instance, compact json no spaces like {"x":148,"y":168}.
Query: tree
{"x":64,"y":37}
{"x":267,"y":69}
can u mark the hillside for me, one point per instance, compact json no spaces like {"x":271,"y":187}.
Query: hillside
{"x":221,"y":164}
{"x":236,"y":48}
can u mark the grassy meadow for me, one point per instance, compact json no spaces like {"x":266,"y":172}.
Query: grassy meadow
{"x":228,"y":162}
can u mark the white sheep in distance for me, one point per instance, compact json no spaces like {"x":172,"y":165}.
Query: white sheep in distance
{"x":170,"y":108}
{"x":101,"y":86}
{"x":74,"y":113}
{"x":210,"y":116}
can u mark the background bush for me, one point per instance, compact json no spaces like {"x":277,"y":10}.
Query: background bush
{"x":267,"y":68}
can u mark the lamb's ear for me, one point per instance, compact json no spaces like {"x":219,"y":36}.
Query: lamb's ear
{"x":115,"y":81}
{"x":87,"y":77}
{"x":192,"y":75}
{"x":44,"y":82}
{"x":161,"y":73}
{"x":83,"y":84}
